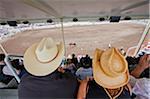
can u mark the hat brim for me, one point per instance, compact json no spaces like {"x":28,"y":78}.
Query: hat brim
{"x":103,"y":79}
{"x":34,"y":67}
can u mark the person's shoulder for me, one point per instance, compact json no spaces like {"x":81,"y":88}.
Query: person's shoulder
{"x":90,"y":68}
{"x":92,"y":83}
{"x":72,"y":64}
{"x":26,"y":76}
{"x":97,"y":91}
{"x":81,"y":68}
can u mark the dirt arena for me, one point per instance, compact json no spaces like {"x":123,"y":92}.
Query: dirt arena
{"x":86,"y":38}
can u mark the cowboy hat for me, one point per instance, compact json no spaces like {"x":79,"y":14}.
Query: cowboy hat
{"x":110,"y":68}
{"x":44,"y":57}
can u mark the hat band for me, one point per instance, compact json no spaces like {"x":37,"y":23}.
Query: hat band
{"x":49,"y":60}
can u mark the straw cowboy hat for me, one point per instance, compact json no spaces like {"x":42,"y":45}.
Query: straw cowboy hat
{"x":44,"y":57}
{"x":110,"y":68}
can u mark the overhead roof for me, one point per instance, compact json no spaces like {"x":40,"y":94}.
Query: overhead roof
{"x":44,"y":9}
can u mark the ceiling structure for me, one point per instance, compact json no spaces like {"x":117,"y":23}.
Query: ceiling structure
{"x":44,"y":9}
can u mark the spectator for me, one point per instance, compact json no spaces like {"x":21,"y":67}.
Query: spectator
{"x":140,"y":85}
{"x":17,"y":67}
{"x":143,"y":64}
{"x":70,"y":66}
{"x":2,"y":63}
{"x":74,"y":59}
{"x":43,"y":80}
{"x":4,"y":79}
{"x":86,"y":68}
{"x":122,"y":51}
{"x":15,"y":64}
{"x":107,"y":83}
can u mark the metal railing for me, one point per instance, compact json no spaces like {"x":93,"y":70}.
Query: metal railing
{"x":129,"y":49}
{"x":8,"y":63}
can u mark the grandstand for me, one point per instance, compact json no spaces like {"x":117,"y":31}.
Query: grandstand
{"x":82,"y":25}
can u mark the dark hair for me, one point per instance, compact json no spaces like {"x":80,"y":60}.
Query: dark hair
{"x":86,"y":62}
{"x":69,"y":61}
{"x":73,"y":55}
{"x":16,"y":64}
{"x":2,"y":57}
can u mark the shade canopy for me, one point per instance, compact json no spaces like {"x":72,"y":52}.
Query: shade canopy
{"x":45,"y":9}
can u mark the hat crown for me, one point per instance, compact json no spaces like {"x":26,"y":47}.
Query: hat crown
{"x":69,"y":57}
{"x":113,"y":63}
{"x":46,"y":50}
{"x":106,"y":71}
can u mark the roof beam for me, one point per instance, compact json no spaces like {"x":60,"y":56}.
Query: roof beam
{"x":42,"y":6}
{"x":135,"y":5}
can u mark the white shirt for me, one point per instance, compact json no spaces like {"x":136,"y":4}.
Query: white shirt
{"x":7,"y":71}
{"x":140,"y":87}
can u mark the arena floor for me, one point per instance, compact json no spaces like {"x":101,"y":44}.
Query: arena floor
{"x":86,"y":38}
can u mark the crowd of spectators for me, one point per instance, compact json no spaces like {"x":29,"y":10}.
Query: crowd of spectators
{"x":82,"y":69}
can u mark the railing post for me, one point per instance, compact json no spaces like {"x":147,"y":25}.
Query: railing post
{"x":11,"y":68}
{"x":142,"y":38}
{"x":62,"y":31}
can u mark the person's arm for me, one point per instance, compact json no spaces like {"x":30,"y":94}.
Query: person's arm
{"x":82,"y":91}
{"x":143,"y":64}
{"x":77,"y":73}
{"x":137,"y":71}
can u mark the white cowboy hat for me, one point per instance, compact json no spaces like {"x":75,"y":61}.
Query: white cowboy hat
{"x":69,"y":57}
{"x":110,"y":68}
{"x":44,"y":57}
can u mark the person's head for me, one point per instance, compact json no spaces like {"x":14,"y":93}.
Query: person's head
{"x":86,"y":62}
{"x":2,"y":57}
{"x":69,"y":61}
{"x":73,"y":55}
{"x":110,"y":68}
{"x":86,"y":55}
{"x":122,"y":51}
{"x":16,"y":64}
{"x":44,"y":57}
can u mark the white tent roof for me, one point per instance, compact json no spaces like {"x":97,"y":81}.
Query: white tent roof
{"x":43,"y":9}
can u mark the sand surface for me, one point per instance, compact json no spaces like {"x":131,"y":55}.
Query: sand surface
{"x":87,"y":38}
